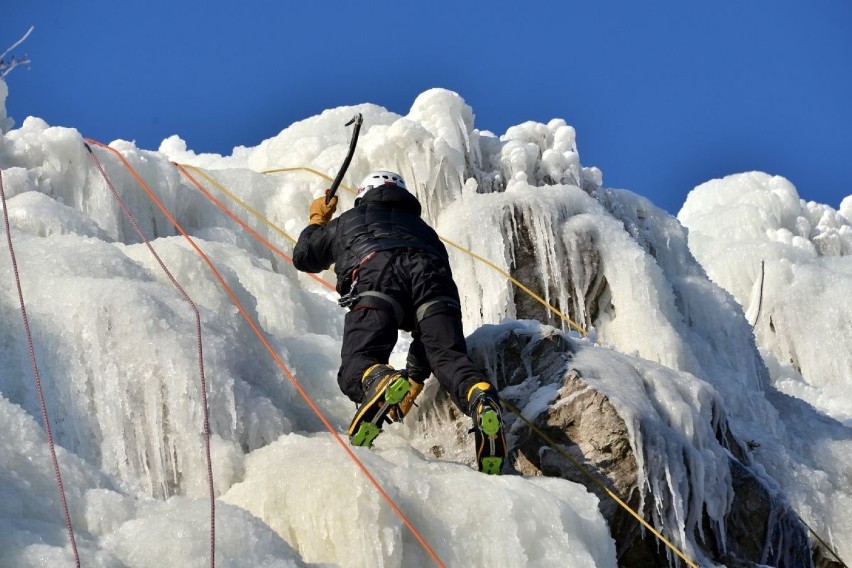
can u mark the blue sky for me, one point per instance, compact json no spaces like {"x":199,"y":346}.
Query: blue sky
{"x":664,"y":95}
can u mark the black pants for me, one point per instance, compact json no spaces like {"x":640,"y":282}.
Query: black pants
{"x":412,"y":278}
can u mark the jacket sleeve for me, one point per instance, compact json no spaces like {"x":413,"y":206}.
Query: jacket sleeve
{"x":314,"y":251}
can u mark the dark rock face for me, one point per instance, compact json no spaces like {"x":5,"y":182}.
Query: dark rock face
{"x":759,"y":526}
{"x":582,"y":414}
{"x":582,"y":269}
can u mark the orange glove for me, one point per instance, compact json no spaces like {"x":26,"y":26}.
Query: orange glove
{"x":321,"y":212}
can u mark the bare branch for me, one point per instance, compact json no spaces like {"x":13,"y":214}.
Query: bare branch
{"x":7,"y":66}
{"x":17,"y":43}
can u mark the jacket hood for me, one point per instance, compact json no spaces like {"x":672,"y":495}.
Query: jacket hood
{"x":394,"y":197}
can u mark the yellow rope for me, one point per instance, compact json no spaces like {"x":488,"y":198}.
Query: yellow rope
{"x":503,"y":273}
{"x":532,"y":294}
{"x":597,"y":481}
{"x":822,"y":542}
{"x":313,"y":171}
{"x":509,"y":405}
{"x":257,"y":215}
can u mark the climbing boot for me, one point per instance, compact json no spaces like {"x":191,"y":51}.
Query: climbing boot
{"x":384,"y":389}
{"x":487,"y":428}
{"x":398,"y":412}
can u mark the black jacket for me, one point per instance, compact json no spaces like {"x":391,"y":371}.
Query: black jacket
{"x":387,"y":217}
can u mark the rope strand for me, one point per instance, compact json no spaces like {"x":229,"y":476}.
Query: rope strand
{"x":511,"y":407}
{"x":37,"y":376}
{"x":538,"y":431}
{"x":470,"y":253}
{"x":305,"y":396}
{"x":230,"y":214}
{"x":205,"y":407}
{"x":555,"y":447}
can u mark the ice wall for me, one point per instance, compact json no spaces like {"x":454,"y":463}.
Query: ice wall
{"x":122,"y":357}
{"x":758,"y":239}
{"x":340,"y":518}
{"x":608,"y":259}
{"x":113,"y":527}
{"x":118,"y":354}
{"x":616,"y":265}
{"x":846,"y":208}
{"x":802,"y":323}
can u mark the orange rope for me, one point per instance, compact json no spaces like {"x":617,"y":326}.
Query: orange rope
{"x":274,"y":355}
{"x":254,"y":233}
{"x":517,"y":411}
{"x":205,"y":407}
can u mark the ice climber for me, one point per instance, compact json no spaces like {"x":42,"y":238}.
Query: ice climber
{"x":393,"y":273}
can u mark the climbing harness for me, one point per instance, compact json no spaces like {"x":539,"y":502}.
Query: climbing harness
{"x":436,"y":305}
{"x":351,"y":297}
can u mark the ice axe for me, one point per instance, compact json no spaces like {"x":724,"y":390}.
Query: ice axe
{"x":357,"y":120}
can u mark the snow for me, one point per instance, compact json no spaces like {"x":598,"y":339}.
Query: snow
{"x":806,"y":251}
{"x":804,"y":325}
{"x":292,"y":475}
{"x":6,"y":123}
{"x":672,"y":348}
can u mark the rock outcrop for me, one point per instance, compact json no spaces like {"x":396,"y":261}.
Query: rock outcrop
{"x":567,"y":421}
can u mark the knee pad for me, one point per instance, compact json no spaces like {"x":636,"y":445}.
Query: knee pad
{"x":379,"y":301}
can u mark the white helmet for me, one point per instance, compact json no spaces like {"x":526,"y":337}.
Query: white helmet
{"x":377,"y":179}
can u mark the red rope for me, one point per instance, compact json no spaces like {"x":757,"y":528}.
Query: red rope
{"x":275,"y":356}
{"x":200,"y":352}
{"x":38,"y":380}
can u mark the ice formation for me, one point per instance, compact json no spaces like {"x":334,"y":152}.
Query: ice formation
{"x":766,"y":246}
{"x":117,"y":351}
